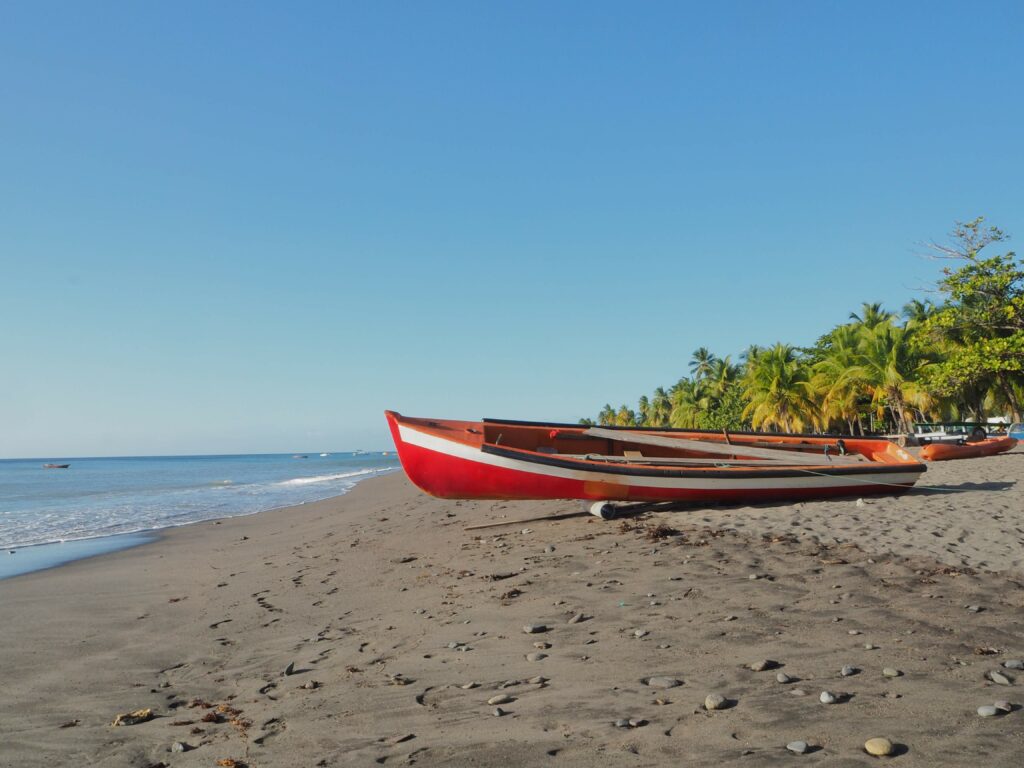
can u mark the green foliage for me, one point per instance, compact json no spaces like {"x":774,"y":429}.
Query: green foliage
{"x":981,"y":326}
{"x":954,"y":359}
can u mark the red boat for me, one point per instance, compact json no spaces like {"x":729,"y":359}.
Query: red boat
{"x":496,"y":459}
{"x":967,"y":450}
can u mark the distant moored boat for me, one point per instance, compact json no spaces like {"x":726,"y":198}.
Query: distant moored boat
{"x":56,"y":466}
{"x":947,"y":451}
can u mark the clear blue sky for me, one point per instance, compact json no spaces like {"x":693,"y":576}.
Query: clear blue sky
{"x":232,"y":227}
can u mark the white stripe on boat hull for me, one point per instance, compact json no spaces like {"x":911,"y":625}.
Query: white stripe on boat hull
{"x":469,"y":453}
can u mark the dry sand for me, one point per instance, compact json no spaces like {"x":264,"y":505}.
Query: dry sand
{"x":384,"y":608}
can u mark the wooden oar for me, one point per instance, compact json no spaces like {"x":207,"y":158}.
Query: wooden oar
{"x":683,"y":462}
{"x":776,"y":454}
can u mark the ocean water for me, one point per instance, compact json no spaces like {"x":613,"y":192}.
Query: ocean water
{"x":103,"y":497}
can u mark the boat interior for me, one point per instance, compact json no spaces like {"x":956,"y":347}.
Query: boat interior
{"x":665,"y":447}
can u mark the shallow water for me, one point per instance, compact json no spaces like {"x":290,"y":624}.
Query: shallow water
{"x":101,"y":497}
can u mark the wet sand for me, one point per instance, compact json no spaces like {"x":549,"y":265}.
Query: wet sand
{"x":348,"y":632}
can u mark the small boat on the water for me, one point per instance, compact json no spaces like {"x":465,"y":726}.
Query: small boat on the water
{"x":300,"y":456}
{"x":967,"y":450}
{"x":56,"y":466}
{"x":499,"y":459}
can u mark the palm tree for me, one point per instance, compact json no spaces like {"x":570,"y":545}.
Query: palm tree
{"x":643,"y":412}
{"x":777,"y":386}
{"x":721,"y":376}
{"x":891,"y":371}
{"x":606,"y":417}
{"x":625,"y":417}
{"x":702,"y":362}
{"x":840,"y":394}
{"x":871,"y":315}
{"x":688,"y":403}
{"x":661,"y":408}
{"x":916,"y":311}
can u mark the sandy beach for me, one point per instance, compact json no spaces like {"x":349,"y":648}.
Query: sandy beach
{"x":372,"y":629}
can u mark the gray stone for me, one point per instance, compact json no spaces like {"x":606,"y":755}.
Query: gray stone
{"x":638,"y":633}
{"x":847,"y":671}
{"x":636,"y":722}
{"x":879,"y":747}
{"x":869,"y":646}
{"x":998,"y":678}
{"x":663,"y":682}
{"x":762,"y":665}
{"x":536,"y":656}
{"x":827,"y":697}
{"x":1003,"y":706}
{"x":988,"y":711}
{"x":714,"y":701}
{"x":576,"y":618}
{"x":891,"y":672}
{"x":532,"y":629}
{"x":622,"y":723}
{"x":800,"y":747}
{"x":501,"y":698}
{"x":1014,"y":663}
{"x":467,"y":686}
{"x":179,"y":746}
{"x":498,"y":711}
{"x":783,"y":678}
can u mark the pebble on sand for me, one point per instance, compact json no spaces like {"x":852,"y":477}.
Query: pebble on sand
{"x":1014,"y":663}
{"x":891,"y":672}
{"x":879,"y":747}
{"x":663,"y":682}
{"x":762,"y":665}
{"x":783,"y":678}
{"x":799,"y":747}
{"x":847,"y":671}
{"x":532,"y":629}
{"x":576,"y":618}
{"x":714,"y":701}
{"x":988,"y":711}
{"x":501,"y":698}
{"x":536,"y":656}
{"x":998,"y":678}
{"x":827,"y":697}
{"x":1003,"y":706}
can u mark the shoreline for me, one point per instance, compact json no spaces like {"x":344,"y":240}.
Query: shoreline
{"x":54,"y":554}
{"x":371,"y":628}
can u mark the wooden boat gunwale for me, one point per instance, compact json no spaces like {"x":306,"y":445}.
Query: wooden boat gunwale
{"x":642,"y":470}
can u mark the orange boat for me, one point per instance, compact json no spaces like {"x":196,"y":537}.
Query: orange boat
{"x":947,"y":451}
{"x":500,"y":459}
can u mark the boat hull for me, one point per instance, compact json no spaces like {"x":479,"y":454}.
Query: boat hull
{"x":948,"y":452}
{"x":453,"y":469}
